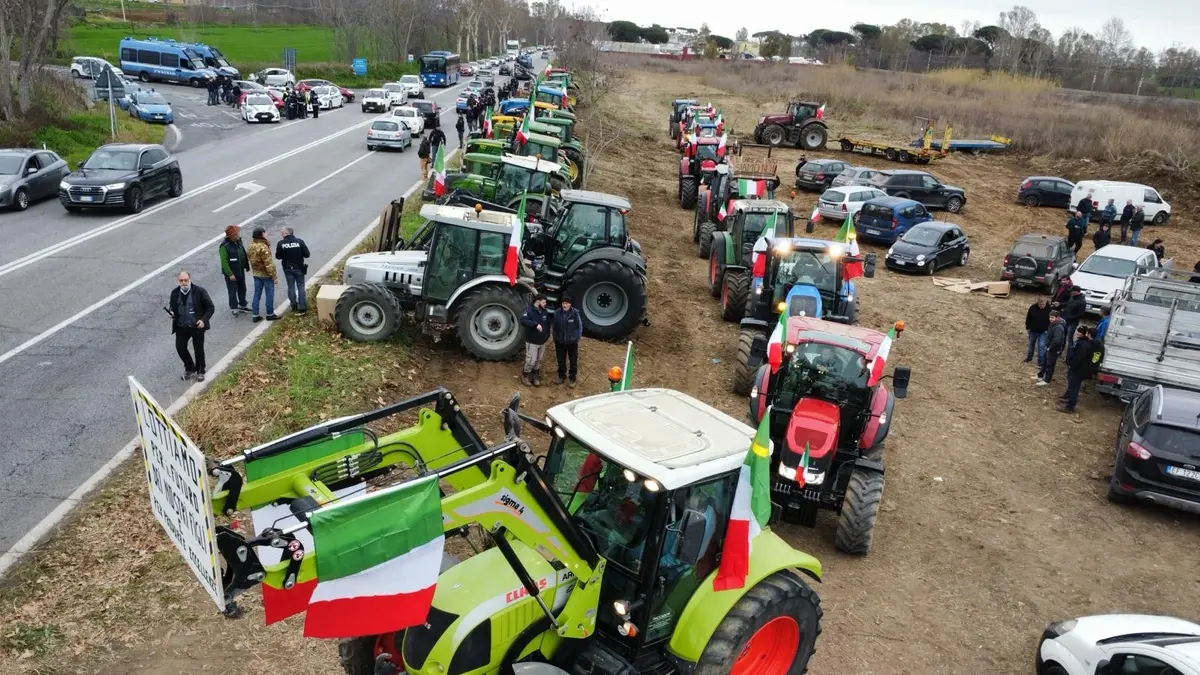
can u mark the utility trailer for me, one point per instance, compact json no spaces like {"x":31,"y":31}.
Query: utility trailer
{"x":1153,"y":337}
{"x":971,"y":145}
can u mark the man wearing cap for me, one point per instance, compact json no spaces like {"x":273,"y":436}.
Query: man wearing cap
{"x":234,"y":265}
{"x":1072,"y":313}
{"x":262,"y":266}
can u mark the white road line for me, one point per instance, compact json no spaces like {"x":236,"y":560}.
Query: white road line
{"x":178,"y":136}
{"x":253,"y":187}
{"x":26,"y":543}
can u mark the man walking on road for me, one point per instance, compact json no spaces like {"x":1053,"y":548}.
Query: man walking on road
{"x":292,"y":252}
{"x":263,"y":269}
{"x":567,"y":329}
{"x":460,"y":127}
{"x":423,"y":153}
{"x":191,"y":311}
{"x":536,"y":321}
{"x":234,"y":265}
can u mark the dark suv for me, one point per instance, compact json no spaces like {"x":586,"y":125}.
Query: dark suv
{"x":121,"y":176}
{"x":923,"y":187}
{"x":1158,"y":450}
{"x":1038,"y":260}
{"x":818,"y":174}
{"x":1045,"y":191}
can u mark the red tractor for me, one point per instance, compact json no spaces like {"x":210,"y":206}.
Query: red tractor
{"x":699,"y":163}
{"x":830,"y":415}
{"x":803,"y":125}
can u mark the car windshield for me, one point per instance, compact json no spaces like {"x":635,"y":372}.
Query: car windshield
{"x":835,"y":196}
{"x":386,"y":126}
{"x":1172,"y":439}
{"x":404,"y":112}
{"x":1036,"y":250}
{"x":423,"y":106}
{"x":10,"y":165}
{"x":150,"y":98}
{"x":1108,"y":267}
{"x":410,"y":79}
{"x":826,"y":369}
{"x":817,"y":268}
{"x":394,"y":87}
{"x":259,"y":99}
{"x":376,"y":93}
{"x":121,"y":160}
{"x":922,"y":236}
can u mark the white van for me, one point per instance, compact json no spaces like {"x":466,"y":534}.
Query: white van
{"x":1157,"y":210}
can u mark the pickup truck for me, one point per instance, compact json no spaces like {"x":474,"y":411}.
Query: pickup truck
{"x":1153,"y":337}
{"x":1104,"y":272}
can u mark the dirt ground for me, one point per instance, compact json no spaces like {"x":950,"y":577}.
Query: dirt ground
{"x":994,"y":520}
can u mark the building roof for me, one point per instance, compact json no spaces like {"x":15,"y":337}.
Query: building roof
{"x":598,"y":198}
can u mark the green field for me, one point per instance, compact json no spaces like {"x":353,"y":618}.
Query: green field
{"x":240,"y":44}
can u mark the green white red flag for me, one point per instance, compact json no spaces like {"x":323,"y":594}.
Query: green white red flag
{"x":772,"y":224}
{"x":848,"y":237}
{"x":487,"y":122}
{"x":751,"y":510}
{"x":513,"y":257}
{"x":439,"y":171}
{"x":523,"y":130}
{"x":880,"y":361}
{"x":751,"y":188}
{"x":775,"y":344}
{"x":758,"y":258}
{"x":723,"y":213}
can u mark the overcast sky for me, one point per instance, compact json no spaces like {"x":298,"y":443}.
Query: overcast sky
{"x":1155,"y":24}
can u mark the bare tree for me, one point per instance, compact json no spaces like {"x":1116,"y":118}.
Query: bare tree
{"x":1020,"y":21}
{"x":40,"y":20}
{"x":1117,"y":45}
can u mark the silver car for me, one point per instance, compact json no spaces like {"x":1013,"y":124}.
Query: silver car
{"x":388,"y":134}
{"x":29,"y":175}
{"x":855,"y":175}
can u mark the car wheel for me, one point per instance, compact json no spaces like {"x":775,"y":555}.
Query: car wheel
{"x":176,"y":188}
{"x":1032,"y":200}
{"x":20,"y":200}
{"x":370,"y":148}
{"x":144,"y":76}
{"x":954,"y":204}
{"x":1160,"y":218}
{"x":931,"y":268}
{"x":966,"y":255}
{"x":133,"y":200}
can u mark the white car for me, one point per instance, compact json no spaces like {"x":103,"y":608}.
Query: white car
{"x":1105,"y":271}
{"x":276,"y":77}
{"x":329,"y":97}
{"x":376,"y":100}
{"x":411,"y":118}
{"x":397,"y":92}
{"x":91,"y":66}
{"x":416,"y":88}
{"x":1120,"y":644}
{"x":259,"y":107}
{"x":836,"y":202}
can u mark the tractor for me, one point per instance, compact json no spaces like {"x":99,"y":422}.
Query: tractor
{"x":678,"y":106}
{"x":698,"y":165}
{"x":801,"y":277}
{"x":484,"y":157}
{"x":596,"y":556}
{"x":740,"y":179}
{"x":803,"y":125}
{"x":707,"y":129}
{"x":513,"y":177}
{"x":829,"y":416}
{"x":571,"y":146}
{"x":554,"y":95}
{"x":730,"y":260}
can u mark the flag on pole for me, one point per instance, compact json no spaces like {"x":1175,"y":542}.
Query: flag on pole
{"x":439,"y":171}
{"x":627,"y":370}
{"x":816,"y":215}
{"x":513,"y":256}
{"x":487,"y":122}
{"x":723,"y":213}
{"x":751,"y":188}
{"x":821,"y":112}
{"x":880,"y":361}
{"x":758,"y":258}
{"x":722,"y":144}
{"x":847,"y":236}
{"x":380,"y":556}
{"x":523,"y":131}
{"x":804,"y":460}
{"x":772,"y":225}
{"x":775,"y":344}
{"x":751,"y":510}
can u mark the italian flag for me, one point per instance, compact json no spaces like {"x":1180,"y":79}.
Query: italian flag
{"x":846,"y":235}
{"x":723,"y":213}
{"x":751,"y":510}
{"x":487,"y":122}
{"x":775,"y":344}
{"x":821,"y":112}
{"x":816,"y":215}
{"x":804,"y":460}
{"x":379,"y":563}
{"x":513,"y":256}
{"x":722,"y":144}
{"x":758,"y":261}
{"x":523,"y":131}
{"x":439,"y":171}
{"x":772,"y":225}
{"x":751,"y":188}
{"x":880,"y":361}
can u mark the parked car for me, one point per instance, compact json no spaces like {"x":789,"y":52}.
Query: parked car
{"x":838,"y":202}
{"x":376,"y":100}
{"x":304,"y":85}
{"x":416,"y":88}
{"x":411,"y":118}
{"x":818,"y":174}
{"x":397,"y":93}
{"x":29,"y":175}
{"x":388,"y":134}
{"x":884,"y":219}
{"x":487,"y":76}
{"x":328,"y":97}
{"x":259,"y":107}
{"x":130,"y":87}
{"x":91,"y":66}
{"x":1158,"y":443}
{"x":430,"y":110}
{"x":1156,"y":209}
{"x":855,"y":175}
{"x":923,"y":187}
{"x":1045,"y":191}
{"x":148,"y":105}
{"x":927,"y":247}
{"x":1119,"y":644}
{"x":1038,"y":260}
{"x":121,"y":176}
{"x":275,"y":77}
{"x":1103,"y":273}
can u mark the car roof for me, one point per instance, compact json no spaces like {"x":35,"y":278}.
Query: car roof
{"x":1040,"y":239}
{"x":599,"y":198}
{"x":893,"y":201}
{"x":1177,"y":407}
{"x":1057,"y":178}
{"x":938,"y":225}
{"x":129,"y":146}
{"x":1121,"y":252}
{"x":825,"y":160}
{"x":22,"y":152}
{"x":905,"y":172}
{"x":847,"y":189}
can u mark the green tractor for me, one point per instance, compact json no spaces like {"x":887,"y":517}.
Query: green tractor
{"x":497,"y":148}
{"x":740,"y":180}
{"x":598,"y":557}
{"x":512,"y":177}
{"x":571,"y":150}
{"x":732,"y":250}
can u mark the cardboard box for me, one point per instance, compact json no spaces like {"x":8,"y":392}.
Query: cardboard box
{"x":327,"y":297}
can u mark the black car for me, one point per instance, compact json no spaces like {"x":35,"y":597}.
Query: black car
{"x":928,"y":246}
{"x":1045,"y":191}
{"x":818,"y":174}
{"x":429,"y":110}
{"x":1038,"y":260}
{"x":121,"y":176}
{"x":923,"y":187}
{"x":1158,"y":450}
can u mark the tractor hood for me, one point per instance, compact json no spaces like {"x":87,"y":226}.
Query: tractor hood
{"x":814,"y":423}
{"x":782,"y":119}
{"x":400,"y":267}
{"x":804,"y":300}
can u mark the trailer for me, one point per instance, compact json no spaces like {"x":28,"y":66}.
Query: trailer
{"x":920,"y":152}
{"x":971,"y":145}
{"x":1153,"y":337}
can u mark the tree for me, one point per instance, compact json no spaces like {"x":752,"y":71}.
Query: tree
{"x":930,"y":43}
{"x":656,"y":35}
{"x":1019,"y":22}
{"x":721,"y":42}
{"x":867,"y":33}
{"x":776,"y":44}
{"x":837,"y":37}
{"x":624,"y":31}
{"x":814,"y":38}
{"x":37,"y":21}
{"x":741,"y":35}
{"x":700,"y":41}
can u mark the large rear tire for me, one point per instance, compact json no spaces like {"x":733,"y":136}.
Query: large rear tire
{"x":367,"y":313}
{"x":860,"y":509}
{"x":716,"y":270}
{"x":734,"y":292}
{"x":699,"y":215}
{"x":488,"y":323}
{"x":704,"y":242}
{"x":610,"y":296}
{"x":743,"y":374}
{"x":773,"y":135}
{"x":771,"y":630}
{"x":813,"y":137}
{"x":688,"y":190}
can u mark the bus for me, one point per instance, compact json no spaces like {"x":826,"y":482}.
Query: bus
{"x":512,"y":49}
{"x":166,"y":60}
{"x":212,"y":58}
{"x":439,"y":69}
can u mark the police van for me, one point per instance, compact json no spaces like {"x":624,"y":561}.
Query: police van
{"x":213,"y":58}
{"x":153,"y":59}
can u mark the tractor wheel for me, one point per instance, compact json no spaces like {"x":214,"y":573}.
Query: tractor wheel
{"x":734,"y":293}
{"x":773,"y":135}
{"x":743,"y":374}
{"x":575,"y":169}
{"x":771,"y":630}
{"x":610,"y":296}
{"x":699,"y":216}
{"x":715,"y":272}
{"x":704,"y":242}
{"x":488,"y":322}
{"x":812,"y":137}
{"x":367,"y":313}
{"x":358,"y":654}
{"x":860,"y":508}
{"x":847,"y":146}
{"x":689,"y":189}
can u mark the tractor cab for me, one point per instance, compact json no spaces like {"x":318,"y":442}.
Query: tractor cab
{"x":571,"y":151}
{"x":553,"y":95}
{"x":545,"y":147}
{"x":715,"y":198}
{"x":678,"y":107}
{"x":698,"y":166}
{"x":802,"y":110}
{"x":511,"y":178}
{"x":732,"y":250}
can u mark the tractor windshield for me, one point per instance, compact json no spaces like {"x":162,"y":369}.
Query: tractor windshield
{"x":756,"y":223}
{"x":829,"y":370}
{"x":514,"y":181}
{"x":706,"y":152}
{"x":816,"y":268}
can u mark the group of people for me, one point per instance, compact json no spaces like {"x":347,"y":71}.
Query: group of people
{"x":222,"y":89}
{"x":191,"y":307}
{"x":428,"y":148}
{"x":1132,"y":220}
{"x":1054,"y":331}
{"x":565,"y":326}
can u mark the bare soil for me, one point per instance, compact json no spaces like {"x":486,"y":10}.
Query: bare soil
{"x":994,"y":521}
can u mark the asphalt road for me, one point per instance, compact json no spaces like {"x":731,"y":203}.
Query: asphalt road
{"x":81,"y":295}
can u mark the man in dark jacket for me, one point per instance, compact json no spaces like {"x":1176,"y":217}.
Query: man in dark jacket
{"x":1103,"y":237}
{"x":1037,"y":320}
{"x":1195,"y":273}
{"x":436,"y":137}
{"x":1136,"y":224}
{"x":460,"y":127}
{"x":234,"y":265}
{"x":536,"y":321}
{"x":1080,"y":367}
{"x":1085,"y":206}
{"x":1073,"y":312}
{"x":1160,"y":251}
{"x":1056,"y":341}
{"x":567,"y":330}
{"x":1062,"y":293}
{"x":423,"y":152}
{"x":1126,"y":218}
{"x":1076,"y":228}
{"x":292,"y":252}
{"x":214,"y":92}
{"x":191,"y":311}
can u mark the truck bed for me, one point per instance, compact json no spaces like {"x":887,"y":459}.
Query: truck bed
{"x":1153,"y":337}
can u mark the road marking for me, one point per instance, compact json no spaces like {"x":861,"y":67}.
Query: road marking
{"x":254,"y":188}
{"x":178,"y":135}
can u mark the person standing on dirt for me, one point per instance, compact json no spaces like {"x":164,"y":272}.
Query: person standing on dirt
{"x":536,"y":321}
{"x":292,"y":253}
{"x":1037,"y":321}
{"x":1080,"y":367}
{"x":1136,"y":224}
{"x":1101,"y":327}
{"x":262,"y":266}
{"x":1073,"y":312}
{"x":1160,"y":251}
{"x":234,"y":265}
{"x":460,"y":126}
{"x":1126,"y":218}
{"x":1085,"y":206}
{"x":1056,"y":341}
{"x":191,"y":311}
{"x":1109,"y":214}
{"x":1076,"y":228}
{"x":1061,"y":294}
{"x":423,"y":154}
{"x":1195,"y":273}
{"x":567,"y":329}
{"x":1103,"y":236}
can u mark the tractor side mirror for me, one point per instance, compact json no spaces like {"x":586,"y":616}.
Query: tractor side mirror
{"x":512,"y":419}
{"x":691,"y":537}
{"x":869,"y":266}
{"x":900,"y":379}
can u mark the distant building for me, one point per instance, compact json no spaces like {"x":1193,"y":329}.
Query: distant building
{"x":746,"y":47}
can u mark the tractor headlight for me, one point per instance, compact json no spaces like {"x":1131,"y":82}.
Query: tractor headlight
{"x":790,"y":349}
{"x":754,"y":391}
{"x":787,"y":472}
{"x":630,"y":475}
{"x":781,"y":307}
{"x":835,"y":251}
{"x":814,"y":477}
{"x":850,"y":298}
{"x":559,"y":432}
{"x":784,"y":247}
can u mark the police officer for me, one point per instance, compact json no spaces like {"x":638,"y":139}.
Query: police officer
{"x":292,"y":253}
